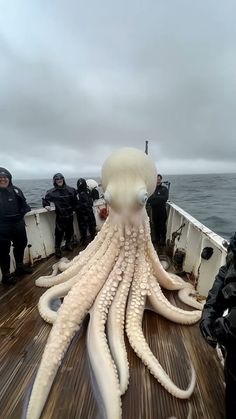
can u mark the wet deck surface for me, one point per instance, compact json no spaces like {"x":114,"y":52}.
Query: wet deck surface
{"x":23,"y":335}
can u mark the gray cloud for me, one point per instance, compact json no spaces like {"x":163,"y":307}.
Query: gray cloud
{"x":77,"y":81}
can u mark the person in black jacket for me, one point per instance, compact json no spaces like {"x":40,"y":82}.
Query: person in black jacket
{"x":220,"y":329}
{"x":13,"y":207}
{"x":157,"y":201}
{"x":85,"y":214}
{"x":64,"y":199}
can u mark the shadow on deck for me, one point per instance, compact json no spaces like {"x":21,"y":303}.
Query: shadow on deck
{"x":23,"y":335}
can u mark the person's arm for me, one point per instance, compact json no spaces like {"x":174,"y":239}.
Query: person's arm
{"x":213,"y":308}
{"x":82,"y":202}
{"x":166,"y":194}
{"x":94,"y":194}
{"x":151,"y":199}
{"x":47,"y":200}
{"x":74,"y":199}
{"x":163,"y":197}
{"x":24,"y":207}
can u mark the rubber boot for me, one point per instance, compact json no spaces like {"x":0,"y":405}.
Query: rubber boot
{"x":22,"y":269}
{"x":8,"y":279}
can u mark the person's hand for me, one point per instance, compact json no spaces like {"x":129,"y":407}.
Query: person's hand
{"x":48,"y":208}
{"x":205,"y":327}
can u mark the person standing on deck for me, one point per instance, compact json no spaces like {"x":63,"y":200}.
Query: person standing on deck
{"x":220,"y":329}
{"x":157,"y":202}
{"x":64,"y":199}
{"x":84,"y":210}
{"x":13,"y":207}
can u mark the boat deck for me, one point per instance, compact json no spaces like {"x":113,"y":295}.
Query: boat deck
{"x":23,"y":335}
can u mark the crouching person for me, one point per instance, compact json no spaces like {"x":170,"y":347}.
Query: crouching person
{"x":217,"y":328}
{"x":13,"y":207}
{"x":64,"y":199}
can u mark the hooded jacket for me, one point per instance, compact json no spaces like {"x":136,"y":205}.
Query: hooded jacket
{"x":221,"y":297}
{"x":84,"y":198}
{"x":64,"y":198}
{"x":13,"y":205}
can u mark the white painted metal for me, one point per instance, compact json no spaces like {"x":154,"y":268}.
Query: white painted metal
{"x":193,"y":239}
{"x":40,"y":225}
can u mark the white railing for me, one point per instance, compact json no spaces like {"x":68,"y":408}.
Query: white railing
{"x":193,"y":237}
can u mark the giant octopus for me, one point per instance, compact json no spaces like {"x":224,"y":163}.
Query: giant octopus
{"x":113,"y":280}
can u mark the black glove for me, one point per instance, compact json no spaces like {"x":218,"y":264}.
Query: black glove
{"x":221,"y":330}
{"x":205,"y":327}
{"x":229,"y":294}
{"x":225,"y":328}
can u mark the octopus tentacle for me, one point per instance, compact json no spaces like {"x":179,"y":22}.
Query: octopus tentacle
{"x":164,"y":279}
{"x":45,"y":301}
{"x":137,"y":340}
{"x":98,"y":350}
{"x":90,"y":250}
{"x":188,"y":296}
{"x":75,"y":268}
{"x":70,"y":315}
{"x":116,"y":318}
{"x":162,"y":306}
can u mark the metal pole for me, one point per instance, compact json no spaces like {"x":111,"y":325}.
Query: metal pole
{"x":146,"y":147}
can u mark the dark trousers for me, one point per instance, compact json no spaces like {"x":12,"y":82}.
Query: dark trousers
{"x":64,"y":227}
{"x":15,"y":233}
{"x":230,"y":381}
{"x":86,"y":222}
{"x":159,"y":217}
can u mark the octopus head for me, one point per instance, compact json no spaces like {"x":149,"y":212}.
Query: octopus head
{"x":128,"y":179}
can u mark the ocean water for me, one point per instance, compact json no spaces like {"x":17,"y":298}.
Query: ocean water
{"x":211,"y":199}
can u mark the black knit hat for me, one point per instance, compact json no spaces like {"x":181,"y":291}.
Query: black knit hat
{"x":6,"y":173}
{"x":81,"y":185}
{"x":58,"y":176}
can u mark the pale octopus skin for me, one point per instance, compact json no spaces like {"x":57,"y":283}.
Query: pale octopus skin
{"x":113,"y":279}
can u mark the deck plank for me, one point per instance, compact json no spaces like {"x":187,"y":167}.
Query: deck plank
{"x":23,"y":335}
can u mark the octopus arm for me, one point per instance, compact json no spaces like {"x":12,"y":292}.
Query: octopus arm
{"x":99,"y":354}
{"x":103,"y":368}
{"x":46,"y":300}
{"x":164,"y":278}
{"x":49,"y":281}
{"x":140,"y":346}
{"x":161,"y":305}
{"x":89,"y":251}
{"x":188,"y":296}
{"x":116,"y":318}
{"x":115,"y":330}
{"x":71,"y":314}
{"x":84,"y":260}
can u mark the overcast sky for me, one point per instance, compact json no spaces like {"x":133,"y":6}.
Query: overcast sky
{"x":80,"y":79}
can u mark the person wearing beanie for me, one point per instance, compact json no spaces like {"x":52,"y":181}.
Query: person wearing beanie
{"x":64,"y":199}
{"x":84,"y":210}
{"x":13,"y":207}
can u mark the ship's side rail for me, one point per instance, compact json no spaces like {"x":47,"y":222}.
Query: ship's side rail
{"x":202,"y":250}
{"x":40,"y":227}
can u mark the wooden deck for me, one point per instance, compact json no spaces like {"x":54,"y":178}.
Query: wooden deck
{"x":23,"y":335}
